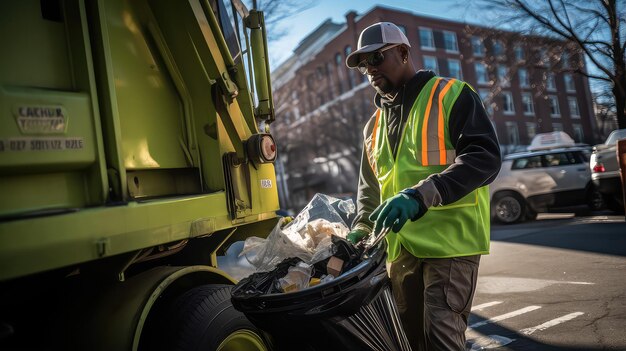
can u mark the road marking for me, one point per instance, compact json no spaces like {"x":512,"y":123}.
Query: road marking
{"x":579,"y":283}
{"x":485,"y":305}
{"x":505,"y":316}
{"x":552,"y":323}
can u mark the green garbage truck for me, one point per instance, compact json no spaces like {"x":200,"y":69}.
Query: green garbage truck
{"x":134,"y":149}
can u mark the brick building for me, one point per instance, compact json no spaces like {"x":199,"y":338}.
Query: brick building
{"x":527,"y":84}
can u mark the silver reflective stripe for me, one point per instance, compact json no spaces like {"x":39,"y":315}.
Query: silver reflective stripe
{"x":450,"y":156}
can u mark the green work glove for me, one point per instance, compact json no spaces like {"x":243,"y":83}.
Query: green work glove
{"x":394,"y":212}
{"x":356,"y":235}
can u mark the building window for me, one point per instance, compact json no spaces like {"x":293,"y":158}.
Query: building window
{"x":426,"y":39}
{"x":481,"y":73}
{"x":338,"y":59}
{"x":512,"y":133}
{"x":503,"y":75}
{"x":347,"y":50}
{"x":498,"y":48}
{"x":430,"y":63}
{"x":569,"y":82}
{"x":519,"y":53}
{"x":557,"y":127}
{"x":565,"y":57}
{"x":553,"y":101}
{"x":507,"y":103}
{"x":486,"y":98}
{"x":573,"y":107}
{"x":531,"y":130}
{"x":402,"y":28}
{"x":478,"y":48}
{"x":524,"y":82}
{"x":527,"y":104}
{"x":543,"y":57}
{"x":449,"y":39}
{"x":550,"y":81}
{"x":578,"y":133}
{"x":454,"y":68}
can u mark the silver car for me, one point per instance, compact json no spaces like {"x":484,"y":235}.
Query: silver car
{"x":538,"y":181}
{"x":605,"y":170}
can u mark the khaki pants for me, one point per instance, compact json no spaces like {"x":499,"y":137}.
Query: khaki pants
{"x":434,"y":298}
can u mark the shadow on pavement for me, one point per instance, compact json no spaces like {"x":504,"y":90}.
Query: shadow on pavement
{"x":522,"y":342}
{"x":600,"y":237}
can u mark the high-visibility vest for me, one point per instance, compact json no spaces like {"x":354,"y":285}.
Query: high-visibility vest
{"x":457,"y":229}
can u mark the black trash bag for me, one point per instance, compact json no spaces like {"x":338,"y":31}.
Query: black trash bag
{"x":354,"y":311}
{"x":263,"y":283}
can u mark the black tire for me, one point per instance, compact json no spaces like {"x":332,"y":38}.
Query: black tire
{"x":508,"y":208}
{"x":204,"y":319}
{"x":595,"y":199}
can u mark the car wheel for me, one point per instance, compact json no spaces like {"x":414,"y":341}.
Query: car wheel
{"x":508,"y":208}
{"x":595,"y":200}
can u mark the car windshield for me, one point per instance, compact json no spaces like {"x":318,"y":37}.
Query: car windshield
{"x":615,"y":136}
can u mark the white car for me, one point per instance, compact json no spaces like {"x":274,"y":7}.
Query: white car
{"x":605,"y":170}
{"x":537,"y":181}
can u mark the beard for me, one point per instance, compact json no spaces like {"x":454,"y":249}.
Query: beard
{"x":383,"y":87}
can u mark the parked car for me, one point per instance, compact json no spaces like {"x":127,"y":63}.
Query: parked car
{"x":540,"y":180}
{"x":605,"y":170}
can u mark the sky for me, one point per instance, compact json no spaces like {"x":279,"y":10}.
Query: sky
{"x":302,"y":24}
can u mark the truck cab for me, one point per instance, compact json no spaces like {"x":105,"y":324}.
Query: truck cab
{"x":135,"y":148}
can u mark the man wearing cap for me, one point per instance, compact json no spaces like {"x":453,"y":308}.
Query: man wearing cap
{"x":429,"y":152}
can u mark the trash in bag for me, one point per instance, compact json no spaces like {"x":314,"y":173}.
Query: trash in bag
{"x":351,"y":311}
{"x":307,"y":236}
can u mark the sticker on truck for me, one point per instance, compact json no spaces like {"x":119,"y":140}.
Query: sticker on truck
{"x":266,"y":183}
{"x":42,"y":144}
{"x":48,"y":119}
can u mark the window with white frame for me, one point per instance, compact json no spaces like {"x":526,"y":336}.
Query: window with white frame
{"x":550,"y":81}
{"x":507,"y":102}
{"x":512,"y":133}
{"x":573,"y":107}
{"x":478,"y":47}
{"x":524,"y":82}
{"x":531,"y":130}
{"x":578,"y":133}
{"x":485,"y":96}
{"x":553,"y":102}
{"x":557,"y":127}
{"x":482,"y":76}
{"x":569,"y":82}
{"x":528,"y":104}
{"x":503,"y":75}
{"x":426,"y":38}
{"x":430,"y":63}
{"x":498,"y":48}
{"x":449,"y":40}
{"x":519,"y":53}
{"x":454,"y":68}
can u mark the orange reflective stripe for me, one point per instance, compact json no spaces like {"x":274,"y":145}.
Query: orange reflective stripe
{"x":374,"y":130}
{"x":442,"y":141}
{"x":425,"y":124}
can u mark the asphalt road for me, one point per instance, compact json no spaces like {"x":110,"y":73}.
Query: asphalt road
{"x":555,"y":284}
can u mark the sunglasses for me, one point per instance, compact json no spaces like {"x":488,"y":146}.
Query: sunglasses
{"x":374,"y":59}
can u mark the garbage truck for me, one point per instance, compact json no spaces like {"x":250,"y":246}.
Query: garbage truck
{"x":134,"y":149}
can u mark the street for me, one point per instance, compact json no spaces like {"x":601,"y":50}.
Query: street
{"x":558,"y":283}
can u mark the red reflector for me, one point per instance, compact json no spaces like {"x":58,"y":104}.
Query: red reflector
{"x":598,"y":168}
{"x":273,"y":147}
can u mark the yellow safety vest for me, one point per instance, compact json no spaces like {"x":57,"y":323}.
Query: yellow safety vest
{"x":457,"y":229}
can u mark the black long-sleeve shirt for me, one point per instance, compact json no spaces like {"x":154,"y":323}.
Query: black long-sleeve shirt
{"x":478,"y":157}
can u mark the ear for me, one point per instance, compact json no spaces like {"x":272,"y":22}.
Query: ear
{"x":404,"y":53}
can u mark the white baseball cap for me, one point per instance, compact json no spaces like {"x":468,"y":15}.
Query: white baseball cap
{"x":375,"y":37}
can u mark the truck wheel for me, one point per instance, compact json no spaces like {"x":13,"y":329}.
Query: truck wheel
{"x":204,"y":319}
{"x":508,"y":208}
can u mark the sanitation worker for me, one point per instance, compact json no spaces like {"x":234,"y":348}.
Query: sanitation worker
{"x":429,"y":152}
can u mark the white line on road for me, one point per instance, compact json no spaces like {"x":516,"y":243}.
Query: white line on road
{"x":552,"y":323}
{"x":580,"y":283}
{"x":485,"y":305}
{"x":505,"y":316}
